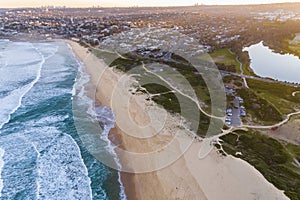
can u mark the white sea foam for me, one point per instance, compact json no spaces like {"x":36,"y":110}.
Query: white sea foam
{"x":59,"y":165}
{"x":4,"y":40}
{"x":11,"y":102}
{"x":61,"y":169}
{"x":1,"y":166}
{"x":107,"y":118}
{"x":28,"y":65}
{"x":101,"y":114}
{"x":46,"y":49}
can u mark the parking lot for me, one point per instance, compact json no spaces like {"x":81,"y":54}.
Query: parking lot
{"x":233,"y":117}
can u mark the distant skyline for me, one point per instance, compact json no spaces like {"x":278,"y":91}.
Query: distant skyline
{"x":128,"y":3}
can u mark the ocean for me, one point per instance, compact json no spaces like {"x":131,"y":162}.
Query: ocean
{"x":42,"y":156}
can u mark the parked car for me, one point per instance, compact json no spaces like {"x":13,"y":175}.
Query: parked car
{"x":243,"y":113}
{"x":228,"y":120}
{"x":240,"y":100}
{"x":229,"y":112}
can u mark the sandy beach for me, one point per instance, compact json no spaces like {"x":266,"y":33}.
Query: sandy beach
{"x":214,"y":177}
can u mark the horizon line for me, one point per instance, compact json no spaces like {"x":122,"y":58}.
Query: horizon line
{"x":137,"y":6}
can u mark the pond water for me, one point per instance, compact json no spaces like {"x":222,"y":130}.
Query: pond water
{"x":266,"y":63}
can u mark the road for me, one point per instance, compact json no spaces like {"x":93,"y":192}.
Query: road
{"x":244,"y":77}
{"x":256,"y":78}
{"x":275,"y":125}
{"x":242,"y":73}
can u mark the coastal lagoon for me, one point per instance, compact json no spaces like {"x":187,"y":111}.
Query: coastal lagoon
{"x":41,"y":154}
{"x":266,"y":63}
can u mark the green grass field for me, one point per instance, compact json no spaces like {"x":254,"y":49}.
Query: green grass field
{"x":262,"y":111}
{"x":223,"y":57}
{"x":278,"y":94}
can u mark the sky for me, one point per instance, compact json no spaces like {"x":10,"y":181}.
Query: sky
{"x":121,"y":3}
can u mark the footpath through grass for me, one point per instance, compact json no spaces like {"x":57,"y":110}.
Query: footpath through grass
{"x":173,"y":102}
{"x":278,"y":94}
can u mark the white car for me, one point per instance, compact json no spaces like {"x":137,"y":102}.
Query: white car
{"x":228,"y":122}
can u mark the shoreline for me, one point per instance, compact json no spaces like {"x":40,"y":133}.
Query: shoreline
{"x":151,"y":179}
{"x":127,"y":179}
{"x":214,"y":177}
{"x":1,"y":166}
{"x":80,"y":52}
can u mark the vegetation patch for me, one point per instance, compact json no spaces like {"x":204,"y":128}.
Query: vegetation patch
{"x":176,"y":103}
{"x":225,"y":60}
{"x":260,"y":109}
{"x":278,"y":94}
{"x":173,"y":102}
{"x":268,"y":156}
{"x":228,"y":68}
{"x":235,"y":80}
